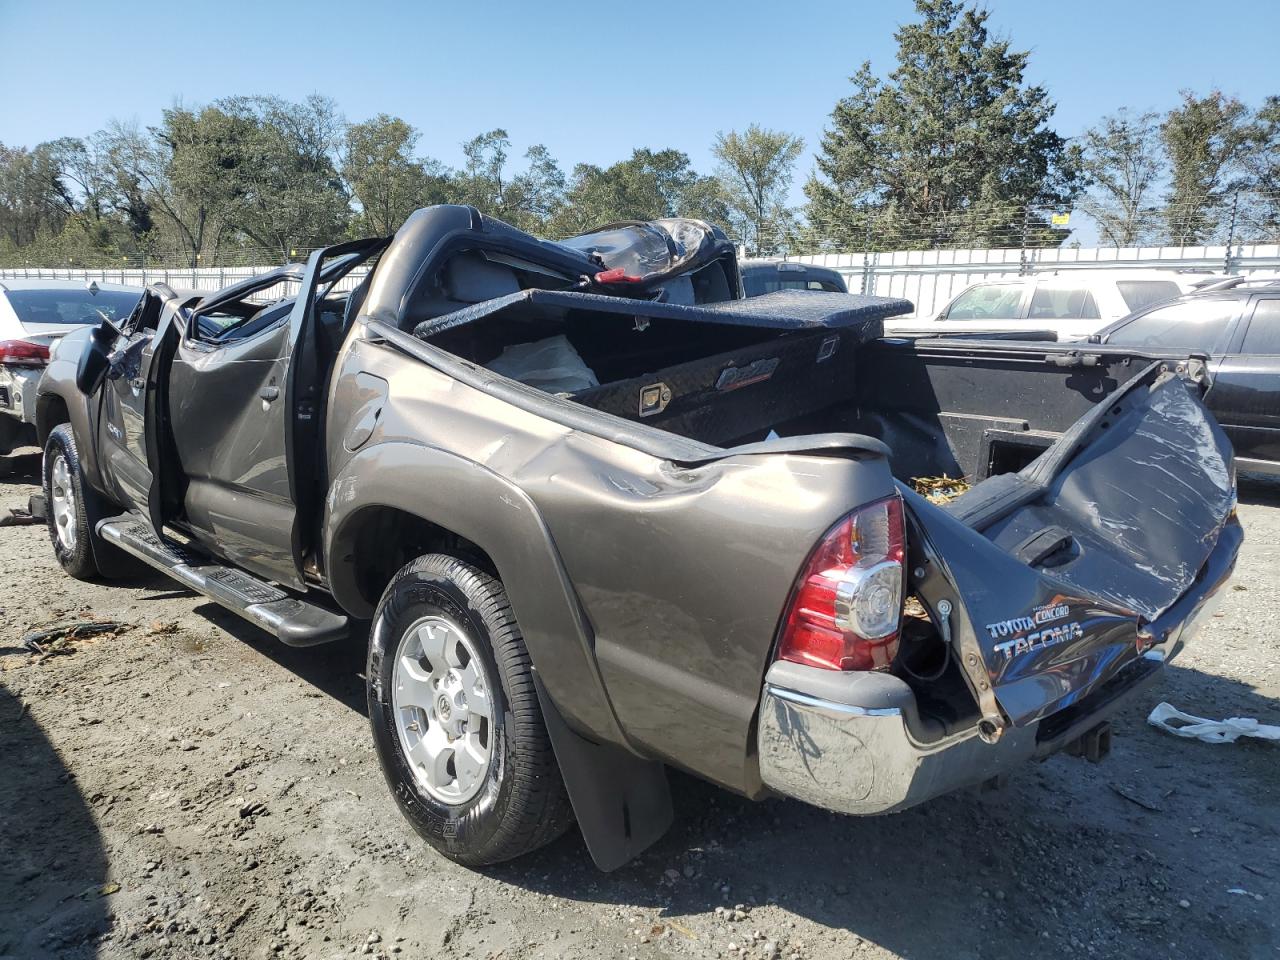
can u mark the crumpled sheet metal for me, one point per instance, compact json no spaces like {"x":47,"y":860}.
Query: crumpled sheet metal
{"x":1170,"y":719}
{"x":1146,"y":501}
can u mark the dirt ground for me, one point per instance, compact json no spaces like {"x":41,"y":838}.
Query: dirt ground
{"x":190,"y":787}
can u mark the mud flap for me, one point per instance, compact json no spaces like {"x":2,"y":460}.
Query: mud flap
{"x":622,"y":802}
{"x":1063,"y":572}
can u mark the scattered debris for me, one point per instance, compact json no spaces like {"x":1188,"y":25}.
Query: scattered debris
{"x":251,"y":809}
{"x":682,"y":930}
{"x":1132,"y":797}
{"x":105,"y":890}
{"x":18,"y":517}
{"x":56,"y":641}
{"x":1172,"y":720}
{"x":1242,"y":892}
{"x":939,"y":490}
{"x":912,"y":607}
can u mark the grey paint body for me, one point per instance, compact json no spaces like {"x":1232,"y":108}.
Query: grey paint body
{"x":648,"y":572}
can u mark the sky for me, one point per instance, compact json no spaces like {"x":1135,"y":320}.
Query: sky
{"x":592,"y":82}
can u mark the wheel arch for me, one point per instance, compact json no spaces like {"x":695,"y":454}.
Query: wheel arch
{"x":58,"y":401}
{"x":394,"y":496}
{"x":51,"y":410}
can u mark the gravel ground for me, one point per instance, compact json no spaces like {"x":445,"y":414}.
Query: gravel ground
{"x":191,"y":788}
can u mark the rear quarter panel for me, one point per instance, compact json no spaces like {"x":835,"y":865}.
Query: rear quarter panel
{"x":663,"y":585}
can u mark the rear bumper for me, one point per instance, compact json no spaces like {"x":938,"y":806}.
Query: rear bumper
{"x":18,"y":392}
{"x":855,"y":743}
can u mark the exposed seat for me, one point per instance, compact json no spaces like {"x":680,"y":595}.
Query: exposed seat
{"x":466,"y":279}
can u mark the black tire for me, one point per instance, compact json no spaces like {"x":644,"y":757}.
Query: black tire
{"x":522,"y":804}
{"x":77,"y":559}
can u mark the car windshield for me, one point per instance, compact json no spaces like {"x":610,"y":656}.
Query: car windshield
{"x":70,"y":306}
{"x":987,"y":301}
{"x":758,"y":282}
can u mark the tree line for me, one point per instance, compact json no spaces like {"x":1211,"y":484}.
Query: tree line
{"x":951,"y":148}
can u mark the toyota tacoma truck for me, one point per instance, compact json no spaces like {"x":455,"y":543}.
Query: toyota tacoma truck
{"x":600,"y":516}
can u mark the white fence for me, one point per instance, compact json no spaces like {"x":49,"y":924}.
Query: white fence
{"x":179,"y":278}
{"x":928,"y":278}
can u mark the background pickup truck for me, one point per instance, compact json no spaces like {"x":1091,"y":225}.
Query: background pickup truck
{"x":606,"y":517}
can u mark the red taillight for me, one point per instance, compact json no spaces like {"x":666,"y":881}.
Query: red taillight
{"x":846,"y":609}
{"x":23,"y":353}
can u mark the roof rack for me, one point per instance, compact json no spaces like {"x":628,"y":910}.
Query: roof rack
{"x":1231,"y":283}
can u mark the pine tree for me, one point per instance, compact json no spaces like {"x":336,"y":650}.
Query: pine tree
{"x":946,"y":151}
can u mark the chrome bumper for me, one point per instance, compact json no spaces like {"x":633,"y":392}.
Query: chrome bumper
{"x":847,"y":744}
{"x":19,"y":388}
{"x":851,"y":750}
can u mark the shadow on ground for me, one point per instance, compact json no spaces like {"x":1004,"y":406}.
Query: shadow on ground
{"x":53,"y":898}
{"x":336,"y":669}
{"x":21,"y":467}
{"x":1264,"y":491}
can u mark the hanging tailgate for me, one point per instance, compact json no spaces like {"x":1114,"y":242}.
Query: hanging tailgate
{"x":1068,"y":571}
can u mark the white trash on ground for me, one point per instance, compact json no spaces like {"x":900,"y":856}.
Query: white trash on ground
{"x":1172,"y":720}
{"x":552,"y":365}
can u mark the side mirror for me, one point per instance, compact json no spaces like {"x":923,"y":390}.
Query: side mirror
{"x":95,"y":359}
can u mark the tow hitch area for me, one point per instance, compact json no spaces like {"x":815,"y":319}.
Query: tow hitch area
{"x":1094,"y":744}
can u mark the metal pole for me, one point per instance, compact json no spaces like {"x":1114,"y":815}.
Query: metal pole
{"x":1231,"y":232}
{"x":1023,"y":266}
{"x":866,"y":253}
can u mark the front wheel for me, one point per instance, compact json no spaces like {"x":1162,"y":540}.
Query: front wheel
{"x":67,"y":507}
{"x":455,"y":715}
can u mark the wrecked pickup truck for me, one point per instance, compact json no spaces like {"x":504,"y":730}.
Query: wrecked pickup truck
{"x":607,"y":517}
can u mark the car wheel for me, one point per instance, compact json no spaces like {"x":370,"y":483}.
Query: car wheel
{"x":455,"y":715}
{"x":67,"y":508}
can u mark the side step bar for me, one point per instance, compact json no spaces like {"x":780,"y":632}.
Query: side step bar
{"x":296,"y":622}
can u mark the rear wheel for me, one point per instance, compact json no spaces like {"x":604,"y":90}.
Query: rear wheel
{"x":456,"y":718}
{"x":67,"y":508}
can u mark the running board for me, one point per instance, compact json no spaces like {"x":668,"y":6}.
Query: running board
{"x":296,"y":622}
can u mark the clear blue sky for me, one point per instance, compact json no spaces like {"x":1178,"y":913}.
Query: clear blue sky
{"x":591,"y":81}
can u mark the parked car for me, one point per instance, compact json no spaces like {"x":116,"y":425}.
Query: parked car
{"x":667,"y":533}
{"x":769,"y":276}
{"x":1069,"y":303}
{"x":1236,"y":322}
{"x":33,"y":315}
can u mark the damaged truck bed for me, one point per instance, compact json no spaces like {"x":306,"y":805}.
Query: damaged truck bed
{"x":606,"y":517}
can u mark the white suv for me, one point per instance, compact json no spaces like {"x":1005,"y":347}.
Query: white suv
{"x":1070,"y":303}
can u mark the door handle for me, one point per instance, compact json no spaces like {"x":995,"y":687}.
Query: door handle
{"x":269,"y":393}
